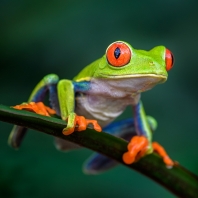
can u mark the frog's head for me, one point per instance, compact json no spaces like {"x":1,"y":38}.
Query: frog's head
{"x":144,"y":68}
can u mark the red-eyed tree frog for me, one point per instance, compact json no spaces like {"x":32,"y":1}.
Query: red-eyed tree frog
{"x":99,"y":94}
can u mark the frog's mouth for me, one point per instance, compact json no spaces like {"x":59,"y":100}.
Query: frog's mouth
{"x":135,"y":82}
{"x":155,"y":76}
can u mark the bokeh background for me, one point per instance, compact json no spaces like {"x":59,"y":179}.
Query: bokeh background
{"x":38,"y":37}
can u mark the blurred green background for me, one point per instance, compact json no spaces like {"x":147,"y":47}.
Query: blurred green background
{"x":38,"y":37}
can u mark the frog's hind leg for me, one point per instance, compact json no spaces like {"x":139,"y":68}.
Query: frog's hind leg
{"x":99,"y":163}
{"x":125,"y":129}
{"x":47,"y":84}
{"x":64,"y":145}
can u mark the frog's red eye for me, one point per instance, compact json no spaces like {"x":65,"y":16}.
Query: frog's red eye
{"x":118,"y":54}
{"x":169,"y":60}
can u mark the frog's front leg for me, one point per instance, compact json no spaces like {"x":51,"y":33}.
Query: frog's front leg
{"x":141,"y":144}
{"x":47,"y":84}
{"x":66,"y":97}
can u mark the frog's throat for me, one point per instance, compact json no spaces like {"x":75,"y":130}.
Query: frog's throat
{"x":162,"y":78}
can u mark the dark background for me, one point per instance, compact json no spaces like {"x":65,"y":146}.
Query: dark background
{"x":38,"y":37}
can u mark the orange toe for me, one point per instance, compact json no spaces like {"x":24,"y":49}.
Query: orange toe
{"x":81,"y":122}
{"x":127,"y":158}
{"x":68,"y":132}
{"x":95,"y":124}
{"x":161,"y":151}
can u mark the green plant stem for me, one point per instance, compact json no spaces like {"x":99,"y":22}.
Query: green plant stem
{"x":178,"y":180}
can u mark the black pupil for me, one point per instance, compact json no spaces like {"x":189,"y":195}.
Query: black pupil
{"x":117,"y":52}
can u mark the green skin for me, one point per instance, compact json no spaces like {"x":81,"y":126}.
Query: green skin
{"x":110,"y":90}
{"x":145,"y":70}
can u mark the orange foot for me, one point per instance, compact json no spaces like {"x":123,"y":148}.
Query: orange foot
{"x":81,"y":123}
{"x":137,"y":148}
{"x":38,"y":108}
{"x":160,"y":150}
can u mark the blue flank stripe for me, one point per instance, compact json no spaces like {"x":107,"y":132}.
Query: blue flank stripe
{"x":53,"y":98}
{"x":81,"y":86}
{"x":115,"y":128}
{"x":124,"y":129}
{"x":40,"y":95}
{"x":140,"y":126}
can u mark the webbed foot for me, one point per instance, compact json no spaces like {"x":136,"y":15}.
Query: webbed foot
{"x":36,"y":107}
{"x":80,"y":124}
{"x":137,"y":148}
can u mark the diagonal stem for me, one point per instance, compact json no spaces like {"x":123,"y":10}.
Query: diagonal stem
{"x":178,"y":180}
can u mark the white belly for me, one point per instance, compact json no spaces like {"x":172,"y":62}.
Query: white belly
{"x":104,"y":110}
{"x":105,"y":100}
